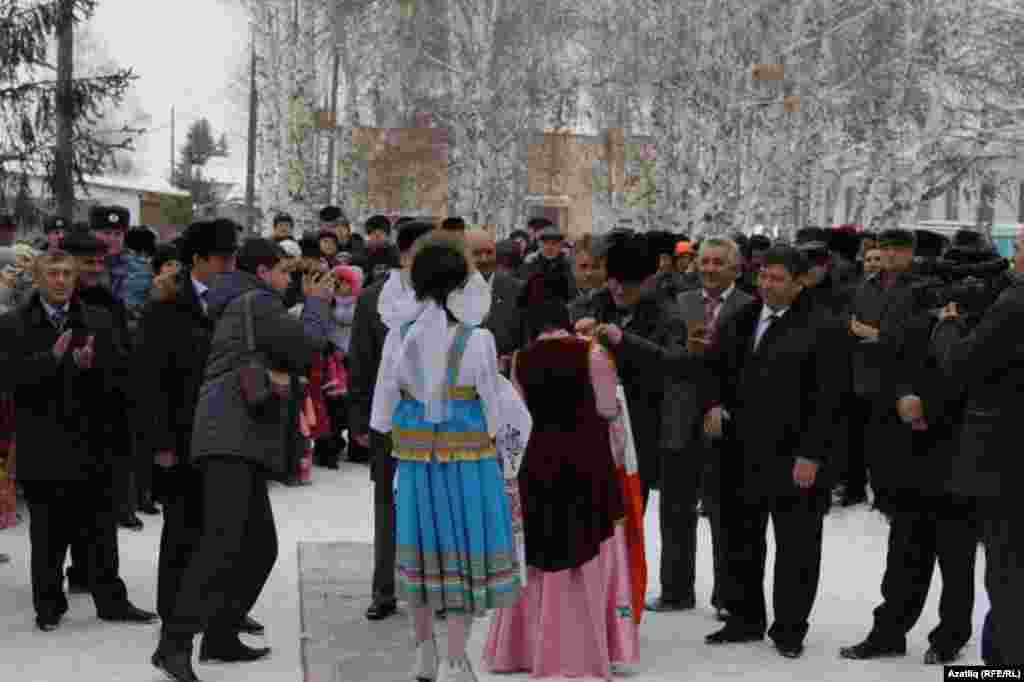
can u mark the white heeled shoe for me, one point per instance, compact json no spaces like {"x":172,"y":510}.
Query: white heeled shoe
{"x":457,"y":670}
{"x":426,"y":666}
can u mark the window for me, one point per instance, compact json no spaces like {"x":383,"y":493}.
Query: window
{"x":924,"y":210}
{"x":1020,"y":203}
{"x":953,"y":202}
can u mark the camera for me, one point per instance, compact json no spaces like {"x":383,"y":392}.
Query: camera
{"x":971,"y":278}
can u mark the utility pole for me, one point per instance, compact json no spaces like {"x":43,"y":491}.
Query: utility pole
{"x":250,"y":165}
{"x":333,"y":132}
{"x":63,"y":184}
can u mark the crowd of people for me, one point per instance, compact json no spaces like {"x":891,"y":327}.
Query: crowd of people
{"x":745,"y":380}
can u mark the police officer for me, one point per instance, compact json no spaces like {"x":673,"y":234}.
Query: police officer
{"x":56,"y":229}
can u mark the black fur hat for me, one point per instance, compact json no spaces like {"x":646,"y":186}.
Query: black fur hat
{"x":631,"y":259}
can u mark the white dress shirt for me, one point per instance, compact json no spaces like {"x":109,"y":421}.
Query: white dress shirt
{"x":766,"y":321}
{"x":200,"y":290}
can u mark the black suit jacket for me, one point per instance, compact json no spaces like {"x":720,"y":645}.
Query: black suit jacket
{"x":364,"y":356}
{"x":173,"y":346}
{"x":784,"y":398}
{"x":505,"y":320}
{"x":65,"y":420}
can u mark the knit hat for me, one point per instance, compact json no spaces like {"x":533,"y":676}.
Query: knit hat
{"x":352,"y":275}
{"x":683,"y":248}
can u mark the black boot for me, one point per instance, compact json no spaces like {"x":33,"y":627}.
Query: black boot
{"x":173,"y":657}
{"x":227,"y":648}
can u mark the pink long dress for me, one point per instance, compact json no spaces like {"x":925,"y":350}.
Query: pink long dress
{"x":576,"y":622}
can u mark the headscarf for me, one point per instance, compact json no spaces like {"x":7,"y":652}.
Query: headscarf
{"x":421,"y":351}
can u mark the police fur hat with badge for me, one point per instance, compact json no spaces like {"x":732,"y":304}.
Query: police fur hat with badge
{"x":56,"y":223}
{"x":109,"y":218}
{"x":208,"y":237}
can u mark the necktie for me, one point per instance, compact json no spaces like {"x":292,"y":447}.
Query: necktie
{"x":765,"y":326}
{"x":58,"y":317}
{"x":711,"y":305}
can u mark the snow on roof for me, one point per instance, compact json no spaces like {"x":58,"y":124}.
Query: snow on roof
{"x":146,"y":183}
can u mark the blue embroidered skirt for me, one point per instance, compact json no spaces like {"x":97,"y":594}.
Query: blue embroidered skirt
{"x":452,"y":518}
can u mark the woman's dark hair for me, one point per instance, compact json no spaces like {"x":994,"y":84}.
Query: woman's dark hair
{"x":257,"y":251}
{"x":163,"y":254}
{"x":545,"y":304}
{"x":508,"y":255}
{"x":439,"y":268}
{"x":789,"y":257}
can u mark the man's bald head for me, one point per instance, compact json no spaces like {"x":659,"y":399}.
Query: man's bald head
{"x":483,"y":249}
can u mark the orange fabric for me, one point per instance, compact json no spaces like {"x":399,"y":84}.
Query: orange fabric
{"x":634,"y":531}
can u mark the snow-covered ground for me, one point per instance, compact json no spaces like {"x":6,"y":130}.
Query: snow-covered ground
{"x":338,"y":507}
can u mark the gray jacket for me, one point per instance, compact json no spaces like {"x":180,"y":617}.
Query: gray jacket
{"x":223,"y":424}
{"x":681,"y":407}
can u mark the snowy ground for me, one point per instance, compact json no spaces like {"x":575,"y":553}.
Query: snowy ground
{"x":338,"y":507}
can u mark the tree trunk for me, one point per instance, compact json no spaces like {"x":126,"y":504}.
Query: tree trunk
{"x":63,"y":182}
{"x":250,"y":162}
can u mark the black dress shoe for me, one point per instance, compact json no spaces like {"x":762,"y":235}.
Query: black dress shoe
{"x":868,"y":649}
{"x":848,"y":499}
{"x":441,"y":614}
{"x":230,"y":651}
{"x":790,"y":650}
{"x":721,"y":615}
{"x":381,"y":610}
{"x":131,"y":522}
{"x":127,"y":613}
{"x":250,"y":626}
{"x":149,"y":508}
{"x":176,"y":665}
{"x":661,"y":605}
{"x":48,"y":624}
{"x":5,"y":558}
{"x":732,"y":634}
{"x":940,"y":656}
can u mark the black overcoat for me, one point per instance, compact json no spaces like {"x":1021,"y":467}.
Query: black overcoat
{"x":64,"y":421}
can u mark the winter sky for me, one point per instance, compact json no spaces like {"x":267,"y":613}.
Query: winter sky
{"x":185,"y":53}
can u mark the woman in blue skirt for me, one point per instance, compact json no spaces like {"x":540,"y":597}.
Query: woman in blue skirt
{"x":436,"y":395}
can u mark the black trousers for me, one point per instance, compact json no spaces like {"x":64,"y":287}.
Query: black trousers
{"x":677,"y":512}
{"x":1003,"y":536}
{"x":854,"y":476}
{"x":384,"y":550}
{"x":236,"y":551}
{"x":918,"y":540}
{"x":798,"y":523}
{"x":719,"y":553}
{"x":60,"y":513}
{"x":183,"y":528}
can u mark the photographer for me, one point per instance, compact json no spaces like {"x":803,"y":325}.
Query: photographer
{"x":987,"y":365}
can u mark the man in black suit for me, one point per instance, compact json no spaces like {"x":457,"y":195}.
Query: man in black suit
{"x":368,"y":335}
{"x":504,"y":320}
{"x":58,"y":358}
{"x":769,"y":380}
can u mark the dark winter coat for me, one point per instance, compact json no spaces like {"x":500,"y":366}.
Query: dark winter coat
{"x":988,"y":367}
{"x":782,"y":399}
{"x":910,"y":469}
{"x":505,"y":320}
{"x":655,"y":319}
{"x":63,"y":415}
{"x":223,"y":423}
{"x":174,"y":343}
{"x":364,"y":356}
{"x":536,"y":263}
